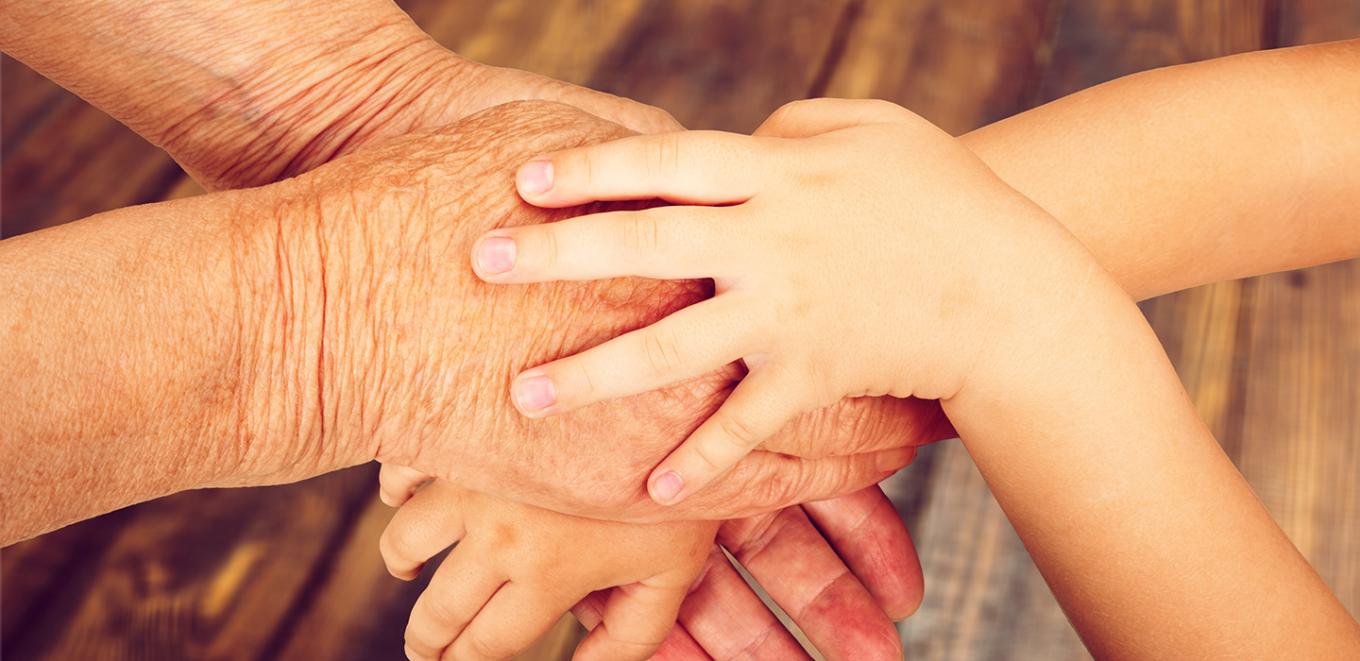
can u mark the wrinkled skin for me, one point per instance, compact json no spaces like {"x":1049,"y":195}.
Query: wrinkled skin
{"x":406,"y":324}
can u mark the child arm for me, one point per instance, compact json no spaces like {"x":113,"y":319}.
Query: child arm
{"x":1151,"y":540}
{"x":1202,"y":172}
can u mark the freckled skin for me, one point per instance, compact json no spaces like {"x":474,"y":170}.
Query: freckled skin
{"x":412,"y":329}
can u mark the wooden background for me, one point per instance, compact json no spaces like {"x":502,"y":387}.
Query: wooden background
{"x":293,"y":572}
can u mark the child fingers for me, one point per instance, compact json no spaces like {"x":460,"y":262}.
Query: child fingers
{"x":397,"y":483}
{"x":690,"y":167}
{"x":457,"y":591}
{"x":665,"y":242}
{"x":427,"y":524}
{"x":679,"y":645}
{"x":637,"y":619}
{"x":809,"y":117}
{"x":762,"y":403}
{"x":692,"y":341}
{"x":511,"y":621}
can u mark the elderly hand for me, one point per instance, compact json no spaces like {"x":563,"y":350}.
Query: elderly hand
{"x":242,"y":95}
{"x":464,"y":411}
{"x":411,"y":355}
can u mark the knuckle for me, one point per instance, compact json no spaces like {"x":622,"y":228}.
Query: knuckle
{"x":835,"y":478}
{"x":739,"y":432}
{"x":394,"y":544}
{"x":580,"y":165}
{"x":882,"y":106}
{"x":778,"y":488}
{"x":585,"y":388}
{"x":785,"y":112}
{"x":439,"y":612}
{"x":708,"y":456}
{"x":642,"y":234}
{"x":478,"y":646}
{"x":665,"y":153}
{"x":662,"y":350}
{"x":662,"y":120}
{"x":547,"y":257}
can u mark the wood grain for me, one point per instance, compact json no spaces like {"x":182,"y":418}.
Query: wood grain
{"x":1273,"y":363}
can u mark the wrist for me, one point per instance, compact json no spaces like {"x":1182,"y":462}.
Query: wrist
{"x":277,"y":108}
{"x":1073,"y":333}
{"x":292,"y":283}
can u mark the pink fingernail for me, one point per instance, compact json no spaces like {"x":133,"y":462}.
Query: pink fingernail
{"x":496,"y":255}
{"x":534,"y":394}
{"x":666,"y":487}
{"x":535,"y":177}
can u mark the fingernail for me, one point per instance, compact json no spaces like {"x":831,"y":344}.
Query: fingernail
{"x":496,"y":255}
{"x":535,"y":176}
{"x":534,"y":394}
{"x":666,"y":487}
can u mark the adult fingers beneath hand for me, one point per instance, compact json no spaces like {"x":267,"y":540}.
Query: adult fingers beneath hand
{"x":862,"y":424}
{"x":427,"y":524}
{"x":803,"y":574}
{"x":768,"y":481}
{"x":868,"y":534}
{"x":631,"y":114}
{"x":729,"y":621}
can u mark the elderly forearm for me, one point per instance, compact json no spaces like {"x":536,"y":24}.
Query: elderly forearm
{"x":132,"y":350}
{"x":1192,"y":174}
{"x":241,"y":93}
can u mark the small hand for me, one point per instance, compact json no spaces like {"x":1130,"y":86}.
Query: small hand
{"x":517,"y":569}
{"x":837,"y":567}
{"x":860,"y":252}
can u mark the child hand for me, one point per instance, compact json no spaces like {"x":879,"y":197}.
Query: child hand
{"x":516,"y":569}
{"x":860,"y":251}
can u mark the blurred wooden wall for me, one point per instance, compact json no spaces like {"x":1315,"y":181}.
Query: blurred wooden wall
{"x":293,"y":572}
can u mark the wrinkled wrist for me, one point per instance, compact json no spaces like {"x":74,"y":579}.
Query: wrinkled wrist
{"x":290,"y":306}
{"x":278,"y":108}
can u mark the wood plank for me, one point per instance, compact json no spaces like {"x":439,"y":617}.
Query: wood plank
{"x":1100,"y":41}
{"x":74,"y":161}
{"x":959,"y":64}
{"x":358,"y":611}
{"x":1316,"y":21}
{"x":206,"y":574}
{"x":1300,"y":429}
{"x":723,"y":65}
{"x":27,"y":99}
